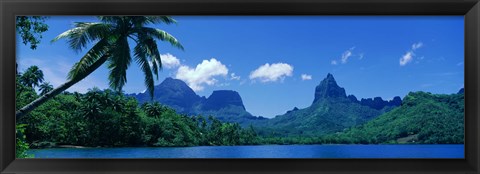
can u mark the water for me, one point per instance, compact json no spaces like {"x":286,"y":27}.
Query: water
{"x":263,"y":151}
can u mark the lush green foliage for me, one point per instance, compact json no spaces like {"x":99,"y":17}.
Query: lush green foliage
{"x":109,"y":119}
{"x":30,"y":29}
{"x":422,"y":118}
{"x":323,"y":117}
{"x":21,"y":145}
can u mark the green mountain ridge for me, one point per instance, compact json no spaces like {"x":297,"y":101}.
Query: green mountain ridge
{"x":423,"y":118}
{"x":331,"y":111}
{"x":322,"y":118}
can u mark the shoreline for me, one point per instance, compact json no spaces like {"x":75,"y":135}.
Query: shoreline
{"x":84,"y":147}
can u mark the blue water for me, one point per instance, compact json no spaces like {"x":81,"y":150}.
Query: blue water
{"x":263,"y":151}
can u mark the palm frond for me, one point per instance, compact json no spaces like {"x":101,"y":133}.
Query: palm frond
{"x":160,"y":19}
{"x":111,"y":19}
{"x":153,"y":53}
{"x":140,"y":21}
{"x":81,"y":68}
{"x":118,"y":64}
{"x":83,"y":33}
{"x":161,"y":35}
{"x":140,"y":54}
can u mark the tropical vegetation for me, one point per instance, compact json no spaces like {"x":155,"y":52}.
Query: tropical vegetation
{"x":106,"y":118}
{"x":110,"y":38}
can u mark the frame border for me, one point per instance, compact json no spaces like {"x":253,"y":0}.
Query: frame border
{"x":10,"y":8}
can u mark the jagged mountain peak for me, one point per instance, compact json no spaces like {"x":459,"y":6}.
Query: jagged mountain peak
{"x":328,"y":88}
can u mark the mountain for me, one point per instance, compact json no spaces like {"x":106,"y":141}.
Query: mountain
{"x":173,"y":93}
{"x":328,"y":88}
{"x":422,"y":118}
{"x":226,"y":105}
{"x":331,"y":111}
{"x":378,"y":103}
{"x":223,"y":98}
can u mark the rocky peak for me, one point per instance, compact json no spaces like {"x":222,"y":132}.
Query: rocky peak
{"x":223,"y":98}
{"x":177,"y":94}
{"x":173,"y":83}
{"x":329,"y":88}
{"x":378,"y":103}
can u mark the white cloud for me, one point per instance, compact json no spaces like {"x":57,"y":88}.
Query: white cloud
{"x":272,"y":73}
{"x":346,"y":55}
{"x":169,"y":61}
{"x":203,"y":74}
{"x":416,"y":46}
{"x":406,"y":58}
{"x":234,"y":77}
{"x":306,"y":77}
{"x":409,"y":55}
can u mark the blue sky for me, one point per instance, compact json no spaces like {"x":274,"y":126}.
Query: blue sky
{"x":275,"y":62}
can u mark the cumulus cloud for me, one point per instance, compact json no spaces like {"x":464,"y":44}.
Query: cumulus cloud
{"x":272,"y":73}
{"x":202,"y":74}
{"x":409,"y":55}
{"x":169,"y":61}
{"x":306,"y":77}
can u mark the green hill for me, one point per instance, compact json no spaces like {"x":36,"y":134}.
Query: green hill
{"x":422,"y":118}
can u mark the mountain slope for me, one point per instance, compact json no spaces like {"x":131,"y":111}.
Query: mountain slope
{"x":173,"y":93}
{"x":331,"y":111}
{"x":422,"y":118}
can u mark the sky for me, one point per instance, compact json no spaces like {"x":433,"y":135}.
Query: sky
{"x":275,"y":62}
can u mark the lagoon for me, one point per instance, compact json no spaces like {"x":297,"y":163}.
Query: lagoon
{"x":260,"y":151}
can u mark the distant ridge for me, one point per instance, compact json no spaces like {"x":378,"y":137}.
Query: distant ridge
{"x":226,"y":105}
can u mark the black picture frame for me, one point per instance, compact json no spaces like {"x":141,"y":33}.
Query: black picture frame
{"x":10,"y":8}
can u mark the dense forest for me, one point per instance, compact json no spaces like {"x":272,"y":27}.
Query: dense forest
{"x":104,"y":118}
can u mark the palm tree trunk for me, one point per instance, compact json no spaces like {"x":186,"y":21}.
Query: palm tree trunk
{"x":42,"y":99}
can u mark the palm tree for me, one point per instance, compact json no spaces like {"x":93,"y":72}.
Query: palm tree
{"x":153,"y":109}
{"x":111,"y":37}
{"x":45,"y":87}
{"x":32,"y":77}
